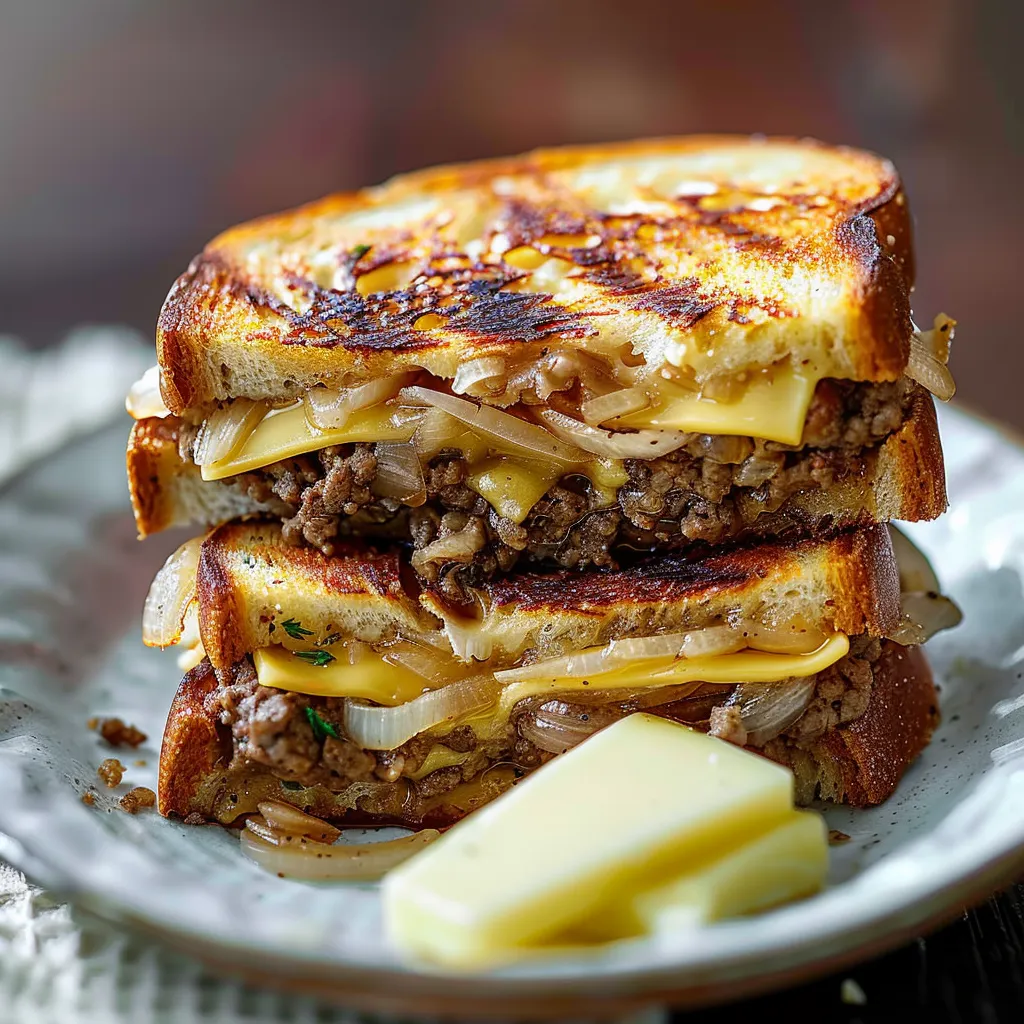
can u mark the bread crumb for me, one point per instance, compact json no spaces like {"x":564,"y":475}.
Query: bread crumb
{"x":135,"y":799}
{"x":835,"y":837}
{"x":139,"y":764}
{"x":851,"y":993}
{"x":195,"y":818}
{"x":111,"y":771}
{"x":117,"y":734}
{"x":91,"y":724}
{"x":88,"y":799}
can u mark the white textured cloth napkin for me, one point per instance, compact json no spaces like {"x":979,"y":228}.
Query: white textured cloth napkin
{"x":57,"y":964}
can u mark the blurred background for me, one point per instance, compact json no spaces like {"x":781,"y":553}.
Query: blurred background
{"x":131,"y":131}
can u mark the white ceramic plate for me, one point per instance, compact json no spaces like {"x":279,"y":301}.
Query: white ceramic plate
{"x":72,"y":581}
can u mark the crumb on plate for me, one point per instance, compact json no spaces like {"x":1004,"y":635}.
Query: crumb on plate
{"x":135,"y":799}
{"x":111,"y":771}
{"x":117,"y":734}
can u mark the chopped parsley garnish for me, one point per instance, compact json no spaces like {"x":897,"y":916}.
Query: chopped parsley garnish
{"x":318,"y":658}
{"x":320,"y":726}
{"x":359,"y":252}
{"x":294,"y":629}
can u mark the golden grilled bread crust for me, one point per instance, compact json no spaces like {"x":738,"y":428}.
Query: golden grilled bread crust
{"x":249,"y":582}
{"x":906,"y":481}
{"x":738,"y":250}
{"x":859,"y":763}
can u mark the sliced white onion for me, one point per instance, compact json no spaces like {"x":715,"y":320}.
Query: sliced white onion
{"x":916,"y":572}
{"x":640,"y":444}
{"x":766,"y":709}
{"x":940,"y":337}
{"x":922,"y":615}
{"x":596,"y":411}
{"x":928,"y":371}
{"x":434,"y":665}
{"x":226,"y":429}
{"x":378,"y":728}
{"x":924,"y":610}
{"x":144,"y":399}
{"x":437,"y":431}
{"x":399,"y":473}
{"x":327,"y":409}
{"x":469,"y":641}
{"x":317,"y":862}
{"x":698,"y":643}
{"x":479,"y":372}
{"x":190,"y":643}
{"x":503,"y":427}
{"x":285,"y":818}
{"x":557,"y":726}
{"x":173,"y":589}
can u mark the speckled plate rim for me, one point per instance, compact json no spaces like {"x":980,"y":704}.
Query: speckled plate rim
{"x":976,"y":869}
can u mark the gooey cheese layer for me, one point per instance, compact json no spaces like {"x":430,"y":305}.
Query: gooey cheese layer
{"x":371,"y":678}
{"x":771,"y":404}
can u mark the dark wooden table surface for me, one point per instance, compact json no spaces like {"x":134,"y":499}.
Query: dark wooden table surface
{"x":970,"y":971}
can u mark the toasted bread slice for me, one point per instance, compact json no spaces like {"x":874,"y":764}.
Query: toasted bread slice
{"x":250,"y":584}
{"x":858,"y":762}
{"x":716,"y":254}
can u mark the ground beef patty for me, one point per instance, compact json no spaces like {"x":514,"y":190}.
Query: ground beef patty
{"x":274,"y":730}
{"x":711,"y":490}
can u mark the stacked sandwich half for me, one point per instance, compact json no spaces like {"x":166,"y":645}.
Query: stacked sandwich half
{"x":493,"y":455}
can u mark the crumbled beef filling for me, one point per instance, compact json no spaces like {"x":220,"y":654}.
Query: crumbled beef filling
{"x":270,"y":728}
{"x":711,"y":490}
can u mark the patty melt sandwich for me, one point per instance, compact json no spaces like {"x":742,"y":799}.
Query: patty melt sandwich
{"x":566,"y":358}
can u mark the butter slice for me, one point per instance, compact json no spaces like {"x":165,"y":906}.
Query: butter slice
{"x":787,"y":862}
{"x":637,"y":802}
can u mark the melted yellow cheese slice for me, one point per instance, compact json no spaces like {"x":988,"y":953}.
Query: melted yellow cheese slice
{"x":439,"y":756}
{"x":369,"y":678}
{"x":284,"y":433}
{"x":372,"y":678}
{"x":773,"y":405}
{"x":747,"y":666}
{"x":513,"y":486}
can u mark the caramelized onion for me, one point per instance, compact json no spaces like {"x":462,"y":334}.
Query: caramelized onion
{"x":144,"y":399}
{"x":432,"y":664}
{"x":173,"y":589}
{"x":640,"y":444}
{"x":598,"y":410}
{"x":226,"y":429}
{"x":502,"y":427}
{"x":469,"y":641}
{"x":327,"y":409}
{"x":928,"y":371}
{"x":290,"y":820}
{"x":399,"y":473}
{"x":378,"y":728}
{"x":473,"y":376}
{"x":924,"y":610}
{"x":698,"y":643}
{"x":299,"y":858}
{"x":558,"y":726}
{"x":767,"y":709}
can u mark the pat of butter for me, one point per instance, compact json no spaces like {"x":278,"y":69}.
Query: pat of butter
{"x":787,"y":862}
{"x":639,"y":801}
